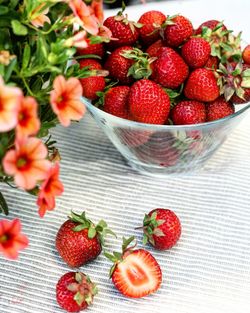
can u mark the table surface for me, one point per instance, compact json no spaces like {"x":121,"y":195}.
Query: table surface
{"x":207,"y":271}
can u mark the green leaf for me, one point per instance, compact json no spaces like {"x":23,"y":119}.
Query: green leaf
{"x":9,"y":69}
{"x":91,"y":232}
{"x":3,"y":205}
{"x":18,"y":28}
{"x":3,"y":9}
{"x":127,"y":242}
{"x":145,"y":239}
{"x":26,"y":56}
{"x":80,"y":227}
{"x":118,"y":255}
{"x":79,"y":298}
{"x":102,"y":224}
{"x":109,"y":256}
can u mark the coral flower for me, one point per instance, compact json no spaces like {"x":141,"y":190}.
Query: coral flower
{"x":28,"y":122}
{"x":84,"y":17}
{"x":79,"y":40}
{"x":65,"y":100}
{"x":50,"y":188}
{"x":11,"y":239}
{"x":10,"y":98}
{"x":27,"y":162}
{"x":96,"y":8}
{"x":38,"y":19}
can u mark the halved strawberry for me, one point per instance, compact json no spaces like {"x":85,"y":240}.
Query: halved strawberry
{"x":135,"y":273}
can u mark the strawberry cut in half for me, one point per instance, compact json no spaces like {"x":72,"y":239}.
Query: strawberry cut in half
{"x":135,"y":273}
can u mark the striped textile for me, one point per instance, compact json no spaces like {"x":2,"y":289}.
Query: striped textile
{"x":209,"y":269}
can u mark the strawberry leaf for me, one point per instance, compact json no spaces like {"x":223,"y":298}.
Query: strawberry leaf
{"x":92,"y":232}
{"x":127,"y":242}
{"x":79,"y":298}
{"x":145,"y":239}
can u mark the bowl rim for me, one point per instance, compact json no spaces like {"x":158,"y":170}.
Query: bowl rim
{"x":128,"y":123}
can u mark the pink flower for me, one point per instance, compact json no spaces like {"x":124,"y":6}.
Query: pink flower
{"x":50,"y":188}
{"x":27,"y":162}
{"x":28,"y":122}
{"x":96,"y":8}
{"x":65,"y":100}
{"x":11,"y":239}
{"x":84,"y":17}
{"x":38,"y":19}
{"x":105,"y":33}
{"x":79,"y":40}
{"x":10,"y":98}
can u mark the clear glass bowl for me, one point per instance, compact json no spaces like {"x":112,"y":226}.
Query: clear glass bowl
{"x":166,"y":149}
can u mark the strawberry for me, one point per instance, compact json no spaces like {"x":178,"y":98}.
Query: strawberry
{"x":96,"y":48}
{"x":133,"y":138}
{"x":169,"y":69}
{"x":178,"y":30}
{"x":79,"y":241}
{"x":118,"y":66}
{"x":126,"y":63}
{"x":116,"y":101}
{"x":246,"y":54}
{"x":202,"y":86}
{"x":188,"y":112}
{"x":148,"y":102}
{"x":219,"y":109}
{"x":125,"y":31}
{"x":153,"y":49}
{"x":234,"y":80}
{"x":93,"y":84}
{"x":135,"y":273}
{"x":150,"y":31}
{"x":196,"y":52}
{"x":211,"y":24}
{"x":162,"y":228}
{"x":212,"y":63}
{"x":92,"y":64}
{"x":75,"y":291}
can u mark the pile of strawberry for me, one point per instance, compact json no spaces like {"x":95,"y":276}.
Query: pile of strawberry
{"x":135,"y":272}
{"x":160,"y":70}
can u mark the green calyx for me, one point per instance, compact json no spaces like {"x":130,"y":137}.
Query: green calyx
{"x":124,"y":19}
{"x":141,"y":67}
{"x":151,"y":228}
{"x":233,"y":80}
{"x":83,"y":288}
{"x":118,"y":257}
{"x":101,"y":94}
{"x":101,"y":229}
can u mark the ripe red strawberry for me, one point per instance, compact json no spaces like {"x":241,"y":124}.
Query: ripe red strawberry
{"x":212,"y":24}
{"x":135,"y":273}
{"x":96,"y":48}
{"x":162,"y":228}
{"x":219,"y":109}
{"x":196,"y":52}
{"x":212,"y":63}
{"x":246,"y":55}
{"x":148,"y":102}
{"x":169,"y":69}
{"x":79,"y":241}
{"x":116,"y":101}
{"x":133,"y":138}
{"x":125,"y":31}
{"x":178,"y":31}
{"x":188,"y":112}
{"x":92,"y":64}
{"x":118,"y":66}
{"x":75,"y":292}
{"x":151,"y":21}
{"x":202,"y":85}
{"x":93,"y":84}
{"x":153,"y":50}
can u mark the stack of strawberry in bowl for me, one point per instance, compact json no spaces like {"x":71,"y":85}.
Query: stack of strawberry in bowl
{"x":162,"y":71}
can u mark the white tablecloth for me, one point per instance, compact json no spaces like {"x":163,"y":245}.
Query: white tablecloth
{"x":209,"y":269}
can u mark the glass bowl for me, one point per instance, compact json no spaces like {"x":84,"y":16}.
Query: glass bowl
{"x":166,"y":149}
